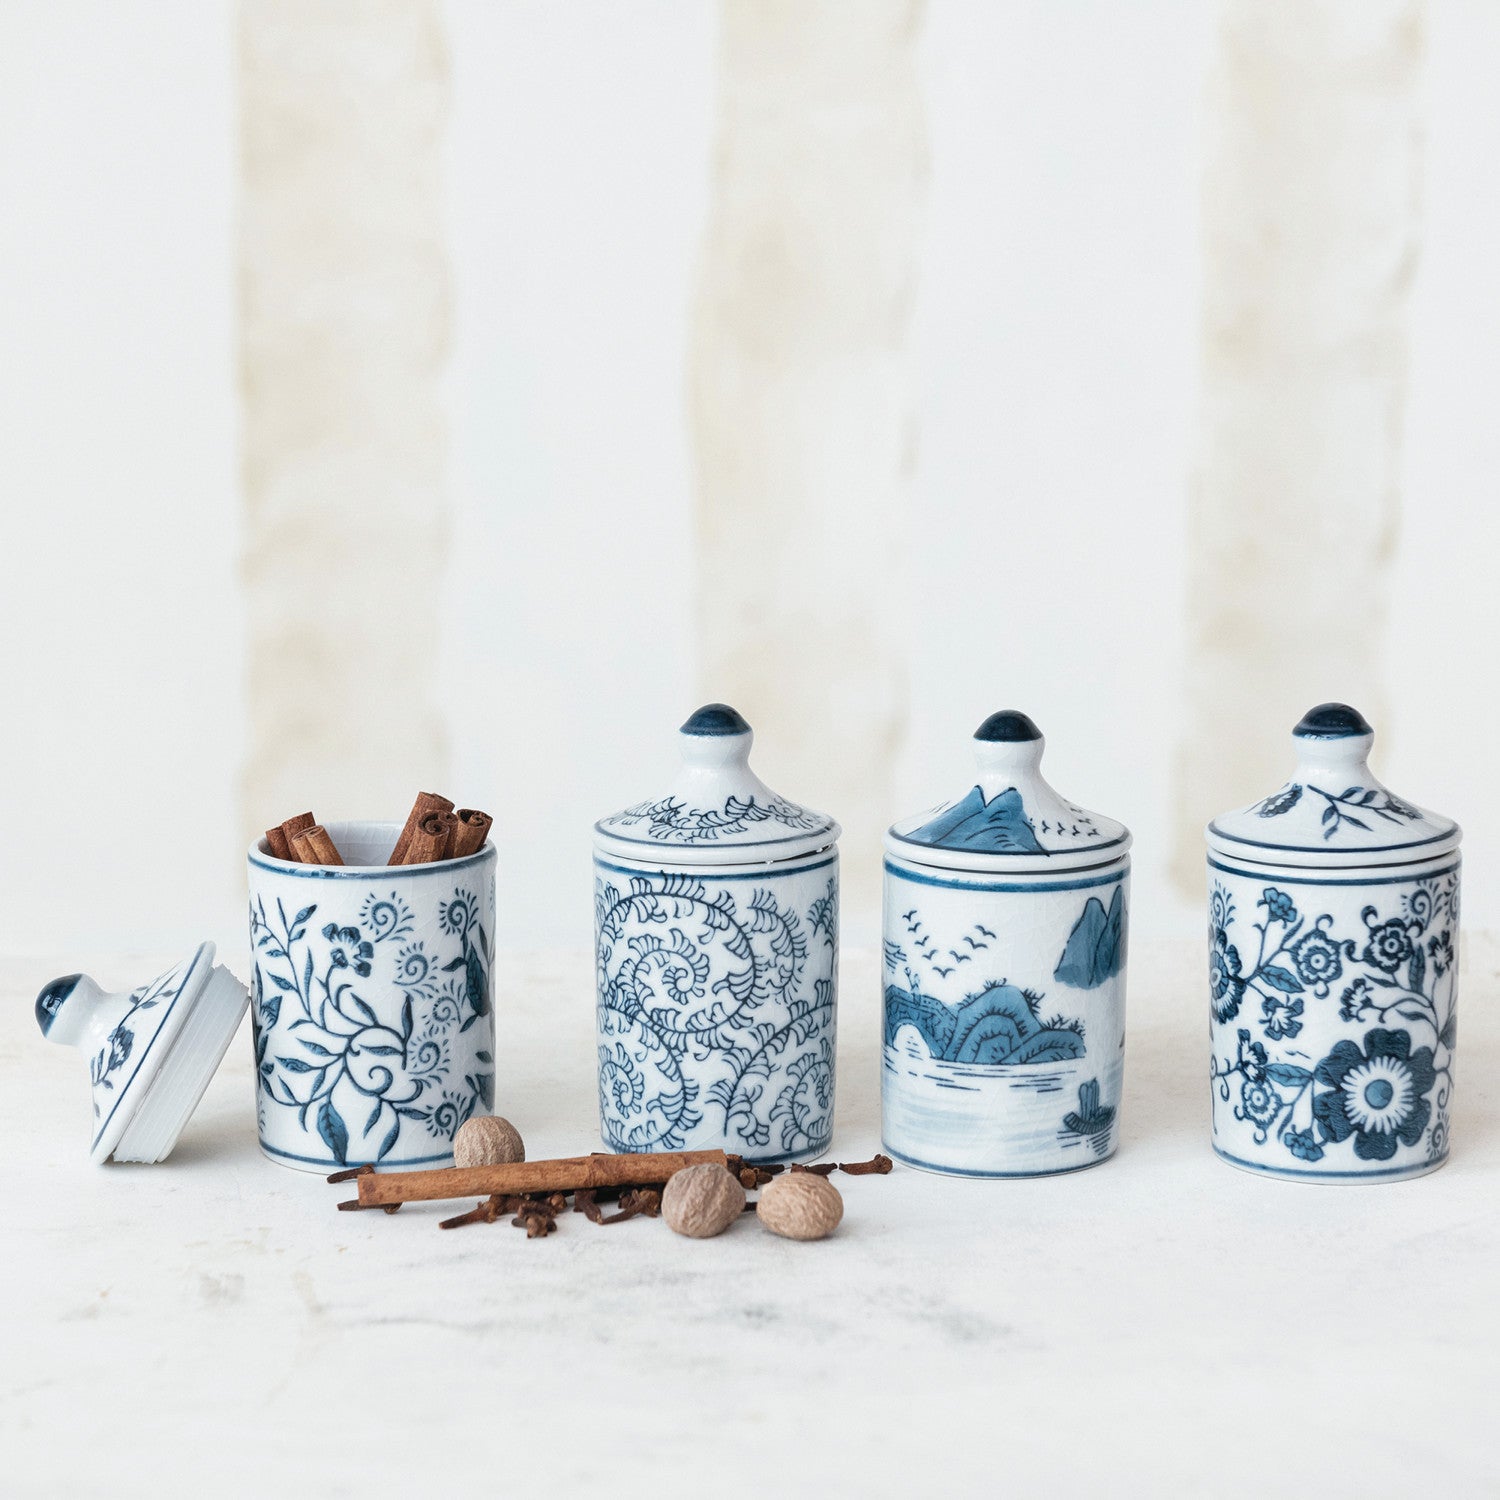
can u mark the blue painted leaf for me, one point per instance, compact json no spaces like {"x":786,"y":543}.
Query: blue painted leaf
{"x":383,"y":1051}
{"x":1354,"y":791}
{"x":1329,"y":813}
{"x":295,"y":1065}
{"x":307,"y":973}
{"x":1288,"y":1074}
{"x":334,"y":1132}
{"x":316,"y":1050}
{"x":271,"y":1010}
{"x":1282,"y":979}
{"x":1449,"y":1033}
{"x":457,"y":963}
{"x":304,"y":914}
{"x":390,"y":1139}
{"x":1417,"y":973}
{"x":483,"y":1057}
{"x":412,"y":1114}
{"x":1356,"y":822}
{"x":374,"y":1115}
{"x":406,"y":1019}
{"x":364,"y":1009}
{"x":283,"y":984}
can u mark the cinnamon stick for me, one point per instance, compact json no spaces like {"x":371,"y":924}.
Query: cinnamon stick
{"x":313,"y":847}
{"x":289,"y":831}
{"x":563,"y":1175}
{"x":430,"y":841}
{"x":426,"y":803}
{"x":278,"y":845}
{"x":473,"y":829}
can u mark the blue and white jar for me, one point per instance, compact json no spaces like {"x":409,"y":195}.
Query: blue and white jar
{"x":716,"y":944}
{"x":1333,"y":970}
{"x":1006,"y":919}
{"x":373,"y":1028}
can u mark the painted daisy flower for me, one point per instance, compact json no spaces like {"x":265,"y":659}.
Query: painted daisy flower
{"x":1377,"y":1095}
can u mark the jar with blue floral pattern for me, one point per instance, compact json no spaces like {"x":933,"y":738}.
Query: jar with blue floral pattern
{"x":1333,"y":969}
{"x":1006,"y":920}
{"x":716,"y":945}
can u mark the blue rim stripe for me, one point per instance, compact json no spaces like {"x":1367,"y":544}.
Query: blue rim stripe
{"x":1235,"y":838}
{"x":721,"y":872}
{"x":929,"y":1166}
{"x":334,"y":1166}
{"x":791,"y":838}
{"x":1417,"y":1169}
{"x":366,"y":872}
{"x":1259,"y":873}
{"x":1085,"y":847}
{"x":161,"y":1026}
{"x":980,"y":884}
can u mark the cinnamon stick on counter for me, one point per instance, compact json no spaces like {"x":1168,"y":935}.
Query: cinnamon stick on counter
{"x":314,"y":847}
{"x":473,"y":829}
{"x":426,"y":804}
{"x":564,"y":1175}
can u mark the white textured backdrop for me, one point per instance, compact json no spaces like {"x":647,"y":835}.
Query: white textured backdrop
{"x":455,"y":394}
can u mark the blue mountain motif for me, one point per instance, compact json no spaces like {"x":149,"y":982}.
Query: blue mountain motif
{"x":1095,"y":949}
{"x":998,"y":1025}
{"x":999,"y":826}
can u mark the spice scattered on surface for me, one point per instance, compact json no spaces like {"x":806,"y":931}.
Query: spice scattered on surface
{"x":487,"y":1141}
{"x":701,"y":1202}
{"x":801,"y":1206}
{"x":878,"y":1165}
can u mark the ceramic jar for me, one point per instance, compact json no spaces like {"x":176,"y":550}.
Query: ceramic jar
{"x":716,"y":945}
{"x":1333,"y":969}
{"x":374,"y":1035}
{"x":1006,"y":916}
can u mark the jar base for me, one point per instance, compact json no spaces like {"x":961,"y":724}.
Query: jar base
{"x":1332,"y":1179}
{"x":941,"y":1171}
{"x":327,"y":1168}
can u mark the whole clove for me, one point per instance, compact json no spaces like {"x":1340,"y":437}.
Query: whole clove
{"x":878,"y":1165}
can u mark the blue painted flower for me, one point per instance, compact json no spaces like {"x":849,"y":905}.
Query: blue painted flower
{"x":1282,"y":1016}
{"x":120,"y":1042}
{"x":1355,"y":998}
{"x":1260,"y":1101}
{"x":1303,"y":1144}
{"x":1317,"y":958}
{"x":349,"y":949}
{"x":1389,"y":945}
{"x":1279,"y":906}
{"x":1280,"y":802}
{"x":1252,"y":1059}
{"x":1378,"y":1095}
{"x":1441,"y":949}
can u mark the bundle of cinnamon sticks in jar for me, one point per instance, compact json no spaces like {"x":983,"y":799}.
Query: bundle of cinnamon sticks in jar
{"x":434,"y":830}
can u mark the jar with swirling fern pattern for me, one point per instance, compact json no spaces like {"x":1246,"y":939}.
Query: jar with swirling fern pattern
{"x":1006,"y":928}
{"x":716,"y":947}
{"x":1333,"y":969}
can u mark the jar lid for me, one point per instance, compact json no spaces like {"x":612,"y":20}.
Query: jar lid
{"x":151,"y":1051}
{"x":1010,"y":819}
{"x":1333,"y":812}
{"x":718,"y":811}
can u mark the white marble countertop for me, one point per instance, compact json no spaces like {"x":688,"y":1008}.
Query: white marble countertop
{"x":1161,"y":1324}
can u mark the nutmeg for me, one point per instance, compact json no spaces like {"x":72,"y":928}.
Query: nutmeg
{"x":702,"y":1201}
{"x":801,"y":1206}
{"x":487,"y":1141}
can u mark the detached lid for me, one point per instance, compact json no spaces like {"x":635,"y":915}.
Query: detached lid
{"x":151,"y":1052}
{"x":1333,"y":812}
{"x":718,"y":812}
{"x":1010,"y":819}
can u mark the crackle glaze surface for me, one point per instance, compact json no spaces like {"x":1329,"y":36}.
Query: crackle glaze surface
{"x":716,"y":1007}
{"x":371,"y":996}
{"x":1334,"y":1018}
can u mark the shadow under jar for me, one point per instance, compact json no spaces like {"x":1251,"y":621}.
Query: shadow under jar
{"x":1333,"y":970}
{"x":716,"y":947}
{"x":1006,"y":923}
{"x":373,"y":1027}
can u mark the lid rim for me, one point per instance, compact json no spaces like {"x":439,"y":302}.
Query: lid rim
{"x":133,"y":1090}
{"x":1058,"y":861}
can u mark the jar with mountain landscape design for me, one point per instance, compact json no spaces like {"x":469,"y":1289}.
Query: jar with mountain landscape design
{"x":1006,"y":921}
